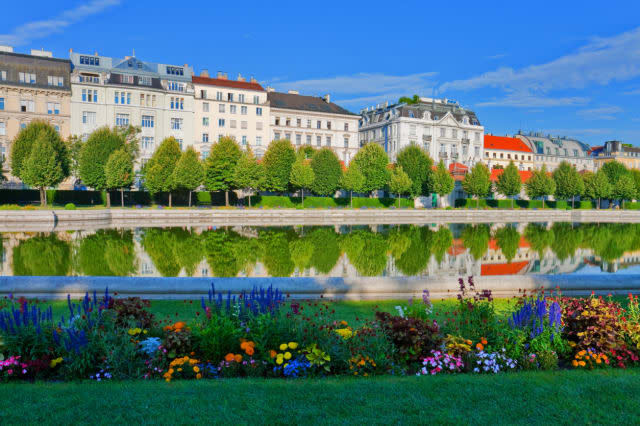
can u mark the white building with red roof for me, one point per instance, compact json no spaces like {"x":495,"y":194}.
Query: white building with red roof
{"x":501,"y":150}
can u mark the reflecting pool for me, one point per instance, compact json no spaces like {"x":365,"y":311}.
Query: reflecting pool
{"x":341,"y":251}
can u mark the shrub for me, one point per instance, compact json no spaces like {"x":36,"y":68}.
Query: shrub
{"x":69,"y":206}
{"x":474,"y":314}
{"x":132,"y":311}
{"x":413,"y":338}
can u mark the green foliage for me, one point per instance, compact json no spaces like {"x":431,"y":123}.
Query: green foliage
{"x":566,"y":240}
{"x":442,"y":240}
{"x":42,"y":255}
{"x":372,"y":162}
{"x":119,"y":170}
{"x":159,"y":245}
{"x":277,"y":162}
{"x":74,"y":147}
{"x":477,"y":183}
{"x":43,"y":167}
{"x":409,"y":100}
{"x":220,"y":165}
{"x":417,"y":165}
{"x":188,"y":173}
{"x":399,"y":183}
{"x":107,"y":253}
{"x":276,"y":256}
{"x":635,"y":174}
{"x":596,"y":185}
{"x":443,"y":182}
{"x":305,"y":152}
{"x":23,"y":144}
{"x":413,"y":253}
{"x":275,"y":201}
{"x":624,"y":189}
{"x":413,"y":338}
{"x":367,"y":251}
{"x":69,"y":206}
{"x":158,"y":172}
{"x":509,"y":183}
{"x":539,"y":237}
{"x":327,"y":172}
{"x":614,"y":171}
{"x":569,"y":184}
{"x":352,"y":180}
{"x":249,"y":175}
{"x":508,"y":239}
{"x":476,"y":239}
{"x":540,"y":184}
{"x":302,"y":175}
{"x":94,"y":155}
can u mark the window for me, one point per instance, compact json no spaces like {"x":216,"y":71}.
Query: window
{"x":175,"y":70}
{"x":218,"y":96}
{"x":256,"y":99}
{"x":27,"y":78}
{"x":477,"y":151}
{"x":477,"y":136}
{"x":54,"y":80}
{"x":3,"y":75}
{"x":126,"y":79}
{"x":244,"y":140}
{"x":153,"y":100}
{"x":205,"y":154}
{"x":288,"y":122}
{"x":276,"y":136}
{"x":258,"y":140}
{"x":175,"y":86}
{"x":90,"y":60}
{"x":27,"y":106}
{"x":57,"y":128}
{"x":346,"y":127}
{"x":145,"y":81}
{"x":243,"y":124}
{"x":177,"y":103}
{"x":298,"y":139}
{"x":299,"y":122}
{"x":346,"y":142}
{"x":243,"y":110}
{"x":259,"y":125}
{"x":232,"y":124}
{"x":412,"y":130}
{"x":328,"y":140}
{"x":205,"y":137}
{"x":205,"y":107}
{"x":454,"y":133}
{"x":318,"y":140}
{"x":128,"y":98}
{"x":329,"y":125}
{"x":309,"y":124}
{"x":142,"y":103}
{"x":319,"y":124}
{"x":221,"y":108}
{"x":116,"y":98}
{"x":88,"y":117}
{"x":205,"y":121}
{"x":443,"y":132}
{"x":1,"y":103}
{"x":233,"y":109}
{"x":230,"y":97}
{"x":221,"y":122}
{"x":287,"y":136}
{"x":566,"y":152}
{"x":259,"y":111}
{"x":241,"y":98}
{"x":3,"y":128}
{"x":147,"y":143}
{"x":148,"y":121}
{"x":122,"y":120}
{"x":176,"y":124}
{"x":277,"y":121}
{"x":308,"y":139}
{"x":575,"y":152}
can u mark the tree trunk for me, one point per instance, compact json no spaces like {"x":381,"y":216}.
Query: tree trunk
{"x":398,"y":200}
{"x":302,"y":192}
{"x":189,"y":198}
{"x":170,"y":199}
{"x":351,"y":199}
{"x":543,"y":202}
{"x":43,"y":197}
{"x":122,"y":197}
{"x":226,"y":198}
{"x":511,"y":203}
{"x":573,"y":202}
{"x":249,"y":200}
{"x":108,"y":199}
{"x":598,"y":203}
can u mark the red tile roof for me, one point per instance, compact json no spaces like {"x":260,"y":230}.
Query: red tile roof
{"x":505,"y":143}
{"x":458,"y":168}
{"x":503,"y":268}
{"x":227,"y":83}
{"x":525,"y":175}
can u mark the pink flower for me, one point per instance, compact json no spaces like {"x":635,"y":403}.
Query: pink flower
{"x":10,"y":372}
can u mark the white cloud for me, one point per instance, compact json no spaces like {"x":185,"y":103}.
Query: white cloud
{"x":29,"y":31}
{"x":600,"y":61}
{"x":602,"y":113}
{"x":527,"y":100}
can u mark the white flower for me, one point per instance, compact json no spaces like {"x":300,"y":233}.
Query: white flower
{"x":476,"y":370}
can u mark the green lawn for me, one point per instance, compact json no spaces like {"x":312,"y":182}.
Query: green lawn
{"x":565,"y":397}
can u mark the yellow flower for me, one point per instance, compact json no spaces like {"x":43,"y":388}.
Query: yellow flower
{"x":145,"y":331}
{"x":196,"y":368}
{"x":279,"y":361}
{"x":287,"y":355}
{"x":582,"y":363}
{"x":345,"y":333}
{"x":170,"y":371}
{"x":179,"y":369}
{"x":198,"y":376}
{"x":283,"y":347}
{"x":55,"y":362}
{"x":293,"y":345}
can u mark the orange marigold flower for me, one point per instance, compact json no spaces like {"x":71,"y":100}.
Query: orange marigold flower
{"x":272,"y":353}
{"x":229,"y":357}
{"x":243,"y":345}
{"x":249,"y":350}
{"x":179,"y":325}
{"x":574,"y":363}
{"x":479,"y":346}
{"x":238,"y":358}
{"x":483,"y":341}
{"x":198,"y":376}
{"x":343,"y":322}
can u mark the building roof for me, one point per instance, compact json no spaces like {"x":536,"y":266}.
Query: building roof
{"x":541,"y":143}
{"x":525,"y":175}
{"x":503,"y":268}
{"x":223,"y":82}
{"x":434,"y":109}
{"x":41,"y":66}
{"x":304,"y":103}
{"x":505,"y":143}
{"x":457,"y":168}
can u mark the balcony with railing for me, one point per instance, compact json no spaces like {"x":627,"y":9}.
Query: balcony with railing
{"x":426,"y":138}
{"x":443,"y":154}
{"x":86,"y":79}
{"x":466,"y":141}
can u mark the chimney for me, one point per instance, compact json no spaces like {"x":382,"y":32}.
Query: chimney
{"x":204,"y":73}
{"x":293,"y":92}
{"x":253,"y":79}
{"x":6,"y":48}
{"x":220,"y":75}
{"x":43,"y":53}
{"x":241,"y":78}
{"x":70,"y":51}
{"x":95,"y":53}
{"x":270,"y":89}
{"x":225,"y":76}
{"x":327,"y":98}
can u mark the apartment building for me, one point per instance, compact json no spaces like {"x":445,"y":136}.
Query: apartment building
{"x":624,"y":153}
{"x":108,"y":91}
{"x":553,"y":150}
{"x":441,"y":127}
{"x":236,"y":108}
{"x":501,"y":150}
{"x":32,"y":87}
{"x":315,"y":121}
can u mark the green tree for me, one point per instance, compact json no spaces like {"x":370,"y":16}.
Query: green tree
{"x":540,"y":184}
{"x":188,"y":250}
{"x":508,"y":239}
{"x":409,"y":100}
{"x":539,"y":237}
{"x":442,"y":241}
{"x":42,"y":255}
{"x":188,"y":173}
{"x":106,"y":253}
{"x":26,"y":138}
{"x":277,"y":162}
{"x":569,"y":184}
{"x":302,"y":176}
{"x":635,"y":174}
{"x":158,"y":172}
{"x":477,"y":183}
{"x":614,"y":170}
{"x":353,"y":180}
{"x":326,"y":248}
{"x":327,"y":172}
{"x":509,"y":183}
{"x":372,"y":162}
{"x":276,"y":255}
{"x":94,"y":155}
{"x":625,"y":189}
{"x":413,"y":261}
{"x":42,"y":168}
{"x":476,"y":239}
{"x":443,"y":182}
{"x":249,"y":174}
{"x":119,"y":172}
{"x":2,"y":177}
{"x":159,"y":244}
{"x":566,"y":240}
{"x":367,"y":251}
{"x":220,"y":166}
{"x":417,"y":165}
{"x":399,"y":182}
{"x":596,"y":186}
{"x":305,"y":152}
{"x":74,"y":147}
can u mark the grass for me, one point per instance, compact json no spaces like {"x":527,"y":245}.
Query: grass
{"x":564,"y":397}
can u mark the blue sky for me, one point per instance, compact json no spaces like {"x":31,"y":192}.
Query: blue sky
{"x":564,"y":67}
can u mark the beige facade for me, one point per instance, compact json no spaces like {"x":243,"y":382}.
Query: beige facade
{"x":315,"y":121}
{"x":235,"y":108}
{"x":32,"y":87}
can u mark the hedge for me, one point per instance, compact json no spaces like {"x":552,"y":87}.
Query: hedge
{"x":274,"y":201}
{"x":522,"y":204}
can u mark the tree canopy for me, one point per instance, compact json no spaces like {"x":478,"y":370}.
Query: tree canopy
{"x":540,"y":184}
{"x":248,"y":173}
{"x":417,"y":165}
{"x":596,"y":185}
{"x":26,"y":138}
{"x":302,"y":176}
{"x":372,"y":162}
{"x":399,"y":183}
{"x":189,"y":172}
{"x":353,"y":180}
{"x":509,"y":182}
{"x":327,"y":172}
{"x":42,"y":168}
{"x":477,"y":182}
{"x":94,"y":155}
{"x":277,"y":162}
{"x":568,"y":181}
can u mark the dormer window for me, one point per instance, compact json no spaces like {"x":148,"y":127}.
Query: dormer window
{"x":426,"y":115}
{"x":90,"y":60}
{"x":465,"y":120}
{"x":411,"y":114}
{"x":175,"y":70}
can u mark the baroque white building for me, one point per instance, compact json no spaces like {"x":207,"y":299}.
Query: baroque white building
{"x":315,"y":121}
{"x":444,"y":129}
{"x":236,"y":108}
{"x":112,"y":92}
{"x":553,"y":150}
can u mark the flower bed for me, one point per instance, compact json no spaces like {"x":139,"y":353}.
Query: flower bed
{"x":261,"y":334}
